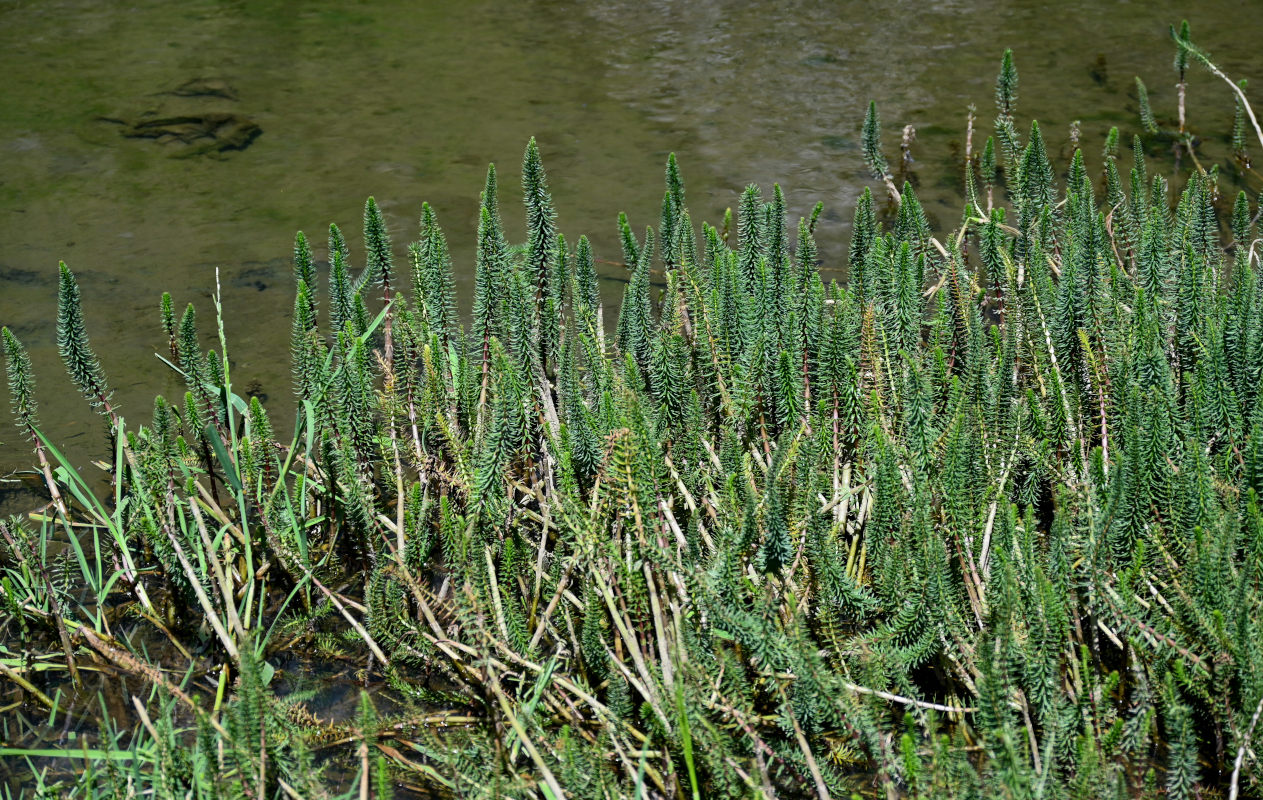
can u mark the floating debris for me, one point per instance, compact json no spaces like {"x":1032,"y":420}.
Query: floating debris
{"x":205,"y":87}
{"x":210,"y":132}
{"x":199,"y":125}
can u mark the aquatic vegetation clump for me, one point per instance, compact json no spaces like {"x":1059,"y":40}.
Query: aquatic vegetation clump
{"x":984,"y":521}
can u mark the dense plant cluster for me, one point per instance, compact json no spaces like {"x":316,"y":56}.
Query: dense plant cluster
{"x":985,"y":521}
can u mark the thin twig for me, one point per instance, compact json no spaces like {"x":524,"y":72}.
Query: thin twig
{"x":1233,"y":787}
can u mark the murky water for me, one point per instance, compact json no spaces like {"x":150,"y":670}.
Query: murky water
{"x":409,"y":102}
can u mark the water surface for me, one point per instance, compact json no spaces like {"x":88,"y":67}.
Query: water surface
{"x":410,"y":101}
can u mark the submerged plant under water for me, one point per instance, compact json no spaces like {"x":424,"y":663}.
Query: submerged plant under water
{"x":983,"y":522}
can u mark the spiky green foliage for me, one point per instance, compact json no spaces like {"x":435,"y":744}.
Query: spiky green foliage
{"x":306,"y":353}
{"x":541,"y":255}
{"x":673,"y":210}
{"x":983,"y":522}
{"x":21,"y":384}
{"x":304,"y":266}
{"x":1147,"y":120}
{"x":72,"y":343}
{"x":168,"y":321}
{"x":586,"y":293}
{"x":341,"y":289}
{"x":870,"y":139}
{"x":1182,"y":49}
{"x":489,"y":271}
{"x":987,"y":163}
{"x":432,"y":281}
{"x":380,"y":262}
{"x":1006,"y":86}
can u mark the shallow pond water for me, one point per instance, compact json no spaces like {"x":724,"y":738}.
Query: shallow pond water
{"x":410,"y":101}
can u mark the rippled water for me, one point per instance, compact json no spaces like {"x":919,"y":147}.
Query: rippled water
{"x":409,"y":102}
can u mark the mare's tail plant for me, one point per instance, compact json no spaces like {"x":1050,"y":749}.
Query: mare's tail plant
{"x":983,"y":521}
